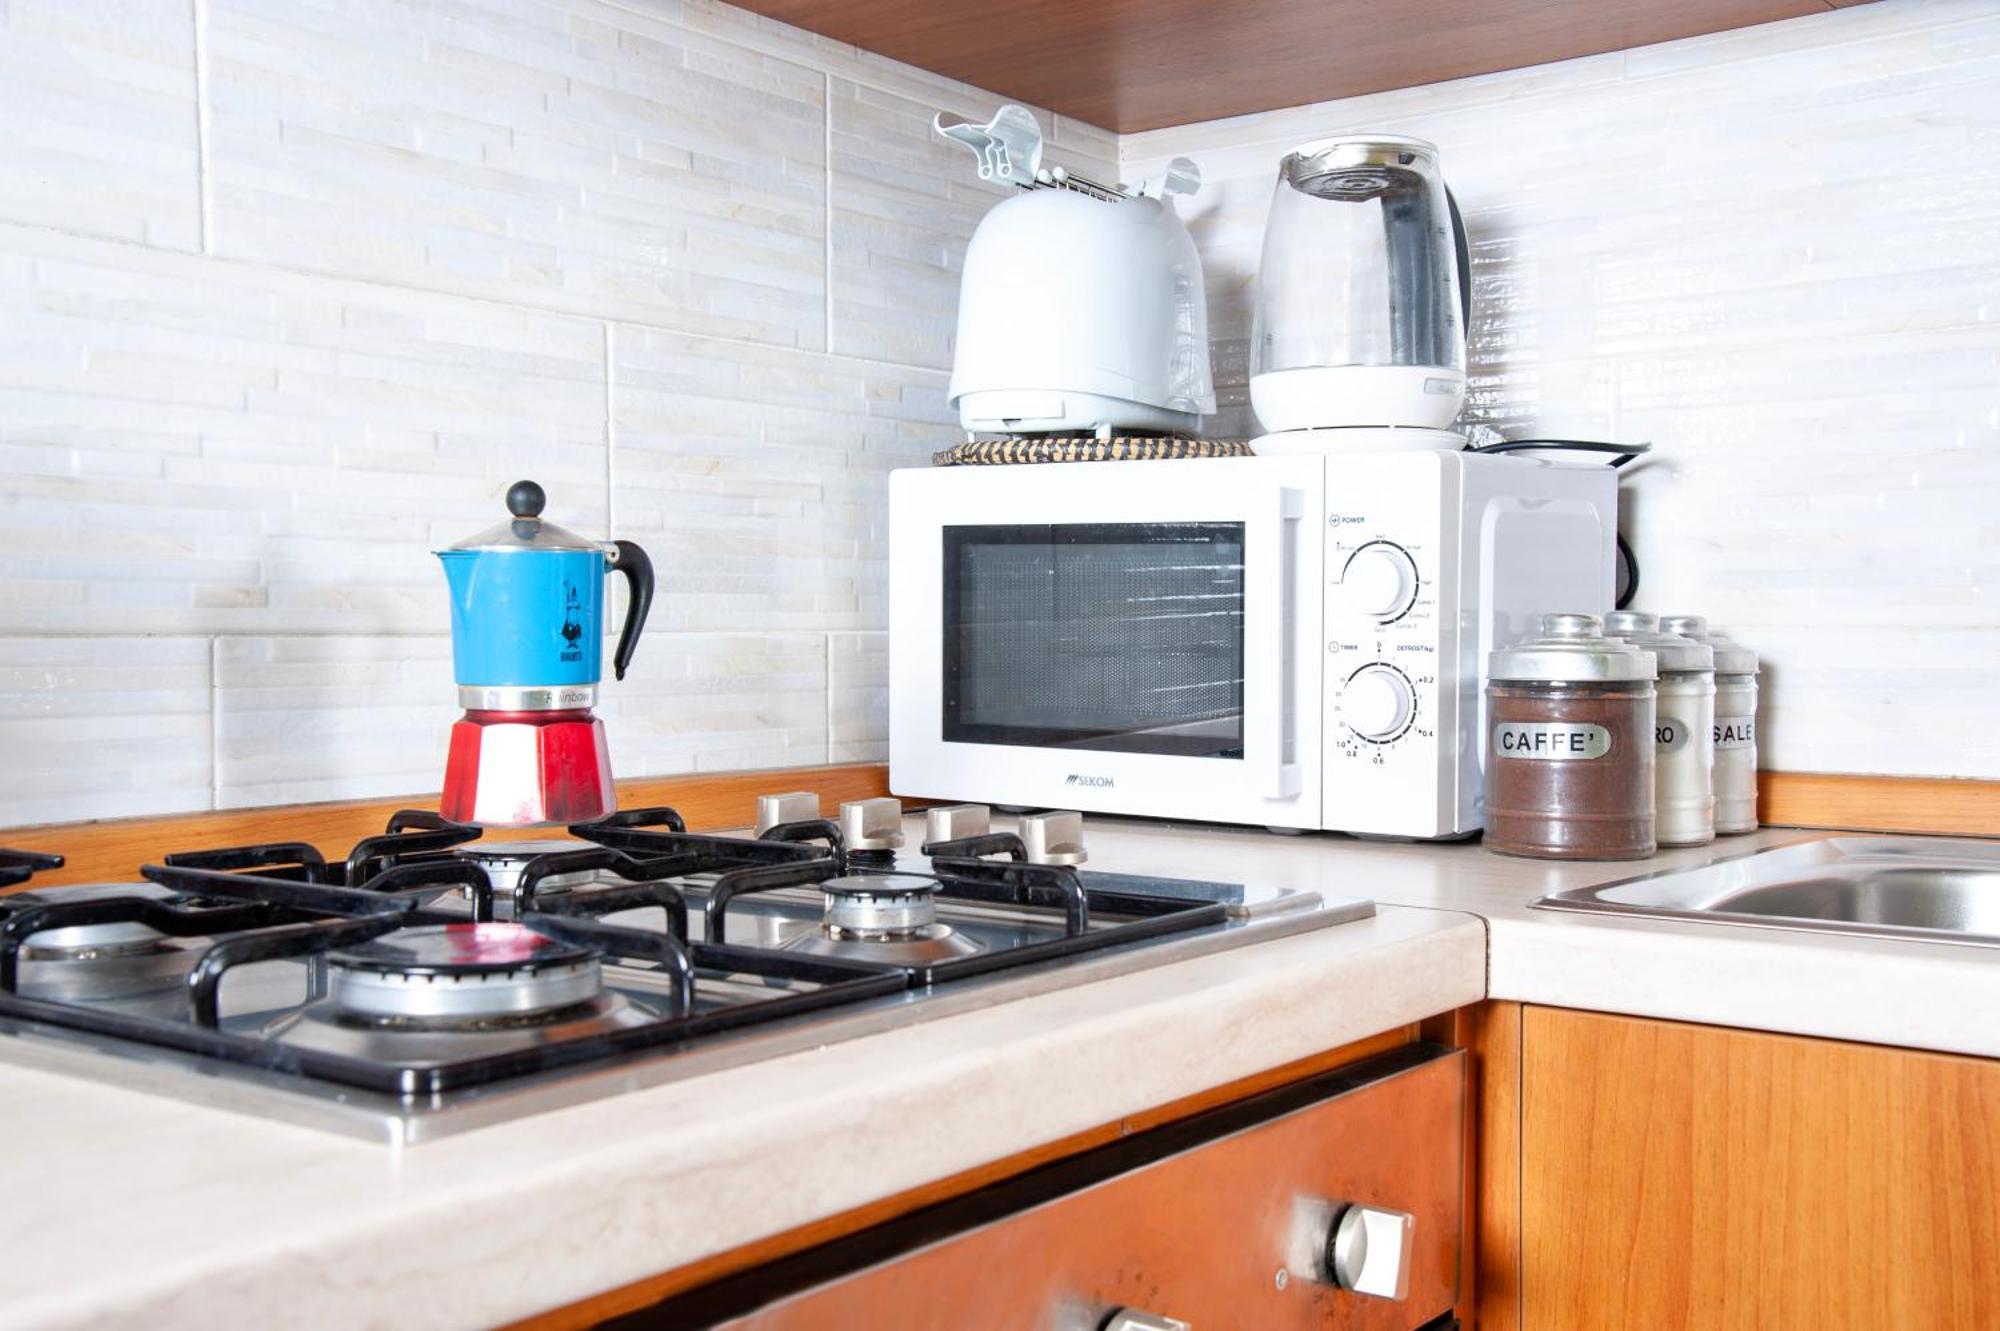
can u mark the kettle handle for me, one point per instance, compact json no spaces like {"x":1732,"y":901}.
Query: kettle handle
{"x":1462,"y":252}
{"x":630,"y":560}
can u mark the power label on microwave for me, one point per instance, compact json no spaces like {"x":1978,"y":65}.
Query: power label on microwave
{"x":1550,"y":741}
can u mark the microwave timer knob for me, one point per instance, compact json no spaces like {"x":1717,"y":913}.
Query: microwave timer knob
{"x":1380,"y":580}
{"x":1377,"y":702}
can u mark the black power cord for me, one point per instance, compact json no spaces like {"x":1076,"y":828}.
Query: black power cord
{"x":1624,"y":454}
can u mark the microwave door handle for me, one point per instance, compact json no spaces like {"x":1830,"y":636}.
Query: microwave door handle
{"x":1274,"y":609}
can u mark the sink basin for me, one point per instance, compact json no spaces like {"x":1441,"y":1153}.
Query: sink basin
{"x":1884,"y":887}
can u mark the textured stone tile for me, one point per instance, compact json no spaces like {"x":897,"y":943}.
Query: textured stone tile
{"x":97,"y":119}
{"x":300,"y":719}
{"x":718,"y":702}
{"x":574,"y":156}
{"x":102,"y":727}
{"x":194,"y":446}
{"x":757,"y":479}
{"x":905,"y":203}
{"x":1772,"y":254}
{"x":858,"y":697}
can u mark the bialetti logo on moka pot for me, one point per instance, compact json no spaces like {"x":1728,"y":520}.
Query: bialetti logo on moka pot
{"x":572,"y":628}
{"x":1081,"y":779}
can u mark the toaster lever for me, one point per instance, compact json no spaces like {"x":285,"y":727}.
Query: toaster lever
{"x":1009,"y":146}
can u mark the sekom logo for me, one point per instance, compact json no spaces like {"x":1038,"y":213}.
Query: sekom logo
{"x":1080,"y":779}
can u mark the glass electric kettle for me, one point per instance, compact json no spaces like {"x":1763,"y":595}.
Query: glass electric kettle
{"x":1362,"y":292}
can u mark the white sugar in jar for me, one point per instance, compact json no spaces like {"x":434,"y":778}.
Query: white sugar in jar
{"x":1684,"y":728}
{"x":1735,"y":722}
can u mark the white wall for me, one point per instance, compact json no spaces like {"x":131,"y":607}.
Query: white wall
{"x":1775,"y":254}
{"x":291,"y":291}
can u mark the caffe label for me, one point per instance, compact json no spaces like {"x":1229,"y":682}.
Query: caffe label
{"x":1671,"y":734}
{"x":1550,"y":741}
{"x":1735,"y":732}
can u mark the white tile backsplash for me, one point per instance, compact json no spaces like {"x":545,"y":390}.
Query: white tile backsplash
{"x":695,"y":271}
{"x":97,"y":119}
{"x":576,"y":156}
{"x":102,"y":727}
{"x":764,"y":473}
{"x":1775,"y":255}
{"x":602,"y":243}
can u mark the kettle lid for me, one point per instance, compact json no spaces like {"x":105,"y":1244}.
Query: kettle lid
{"x":525,"y":530}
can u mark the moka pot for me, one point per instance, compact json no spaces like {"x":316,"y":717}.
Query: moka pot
{"x":527,"y":609}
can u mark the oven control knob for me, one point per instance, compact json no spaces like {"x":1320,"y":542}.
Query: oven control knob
{"x":875,"y":824}
{"x":1380,"y":580}
{"x":796,"y":806}
{"x":1376,"y":702}
{"x":1053,"y":838}
{"x":1368,"y":1251}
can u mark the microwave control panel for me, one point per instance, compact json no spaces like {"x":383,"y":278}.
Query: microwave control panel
{"x":1386,"y":621}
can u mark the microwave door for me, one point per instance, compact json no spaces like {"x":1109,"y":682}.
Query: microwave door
{"x":1113,"y":643}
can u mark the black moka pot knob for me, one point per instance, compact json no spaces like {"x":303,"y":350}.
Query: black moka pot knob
{"x":525,"y":499}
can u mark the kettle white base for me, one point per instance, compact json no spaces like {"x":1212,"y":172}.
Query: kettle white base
{"x":1348,"y":439}
{"x":1425,"y":397}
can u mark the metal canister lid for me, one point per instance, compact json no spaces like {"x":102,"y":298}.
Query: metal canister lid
{"x":1731,"y":656}
{"x":1677,"y":655}
{"x":1573,"y":650}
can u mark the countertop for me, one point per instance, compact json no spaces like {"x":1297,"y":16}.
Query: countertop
{"x":131,"y":1209}
{"x":1921,"y":995}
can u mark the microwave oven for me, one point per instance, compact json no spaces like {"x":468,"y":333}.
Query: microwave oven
{"x":1296,"y":642}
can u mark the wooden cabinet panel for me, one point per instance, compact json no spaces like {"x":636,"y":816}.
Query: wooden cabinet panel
{"x":1689,"y":1176}
{"x":1131,"y":65}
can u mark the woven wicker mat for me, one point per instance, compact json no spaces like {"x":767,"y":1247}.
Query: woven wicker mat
{"x":1084,"y":448}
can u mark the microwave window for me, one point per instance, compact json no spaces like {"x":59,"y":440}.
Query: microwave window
{"x":1124,"y":637}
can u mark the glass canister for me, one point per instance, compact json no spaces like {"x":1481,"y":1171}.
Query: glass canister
{"x":1735,"y":723}
{"x":1685,"y":727}
{"x":1570,"y":752}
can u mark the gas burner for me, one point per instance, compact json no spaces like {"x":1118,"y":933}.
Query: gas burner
{"x":890,"y":917}
{"x":503,"y":862}
{"x":452,"y":974}
{"x":101,"y":963}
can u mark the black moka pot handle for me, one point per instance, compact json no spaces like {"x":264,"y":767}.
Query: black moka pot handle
{"x":638,"y":571}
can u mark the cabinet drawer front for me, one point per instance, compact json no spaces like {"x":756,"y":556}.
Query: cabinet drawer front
{"x":1229,"y":1233}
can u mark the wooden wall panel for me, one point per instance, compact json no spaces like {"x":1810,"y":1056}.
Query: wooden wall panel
{"x":113,"y":850}
{"x":1679,"y":1176}
{"x":1880,"y":803}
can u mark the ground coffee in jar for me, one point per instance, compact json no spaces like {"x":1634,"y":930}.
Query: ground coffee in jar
{"x":1735,"y":723}
{"x":1570,"y":745}
{"x":1684,"y":725}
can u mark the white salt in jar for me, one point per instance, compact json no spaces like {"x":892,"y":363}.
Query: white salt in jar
{"x":1684,"y":728}
{"x":1735,"y":722}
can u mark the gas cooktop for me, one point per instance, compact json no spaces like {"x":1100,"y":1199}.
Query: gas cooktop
{"x":430,"y":981}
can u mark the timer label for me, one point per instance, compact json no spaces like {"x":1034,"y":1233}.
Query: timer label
{"x":1550,"y":741}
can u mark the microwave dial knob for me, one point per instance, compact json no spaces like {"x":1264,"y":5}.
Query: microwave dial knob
{"x":1376,"y":702}
{"x":1380,"y":580}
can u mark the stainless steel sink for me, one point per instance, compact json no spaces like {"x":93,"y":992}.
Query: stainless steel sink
{"x":1883,"y":887}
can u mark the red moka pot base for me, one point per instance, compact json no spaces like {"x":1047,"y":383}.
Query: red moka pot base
{"x":522,"y":769}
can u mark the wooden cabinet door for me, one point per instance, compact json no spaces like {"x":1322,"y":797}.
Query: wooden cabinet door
{"x":1691,"y":1176}
{"x":1225,"y":1235}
